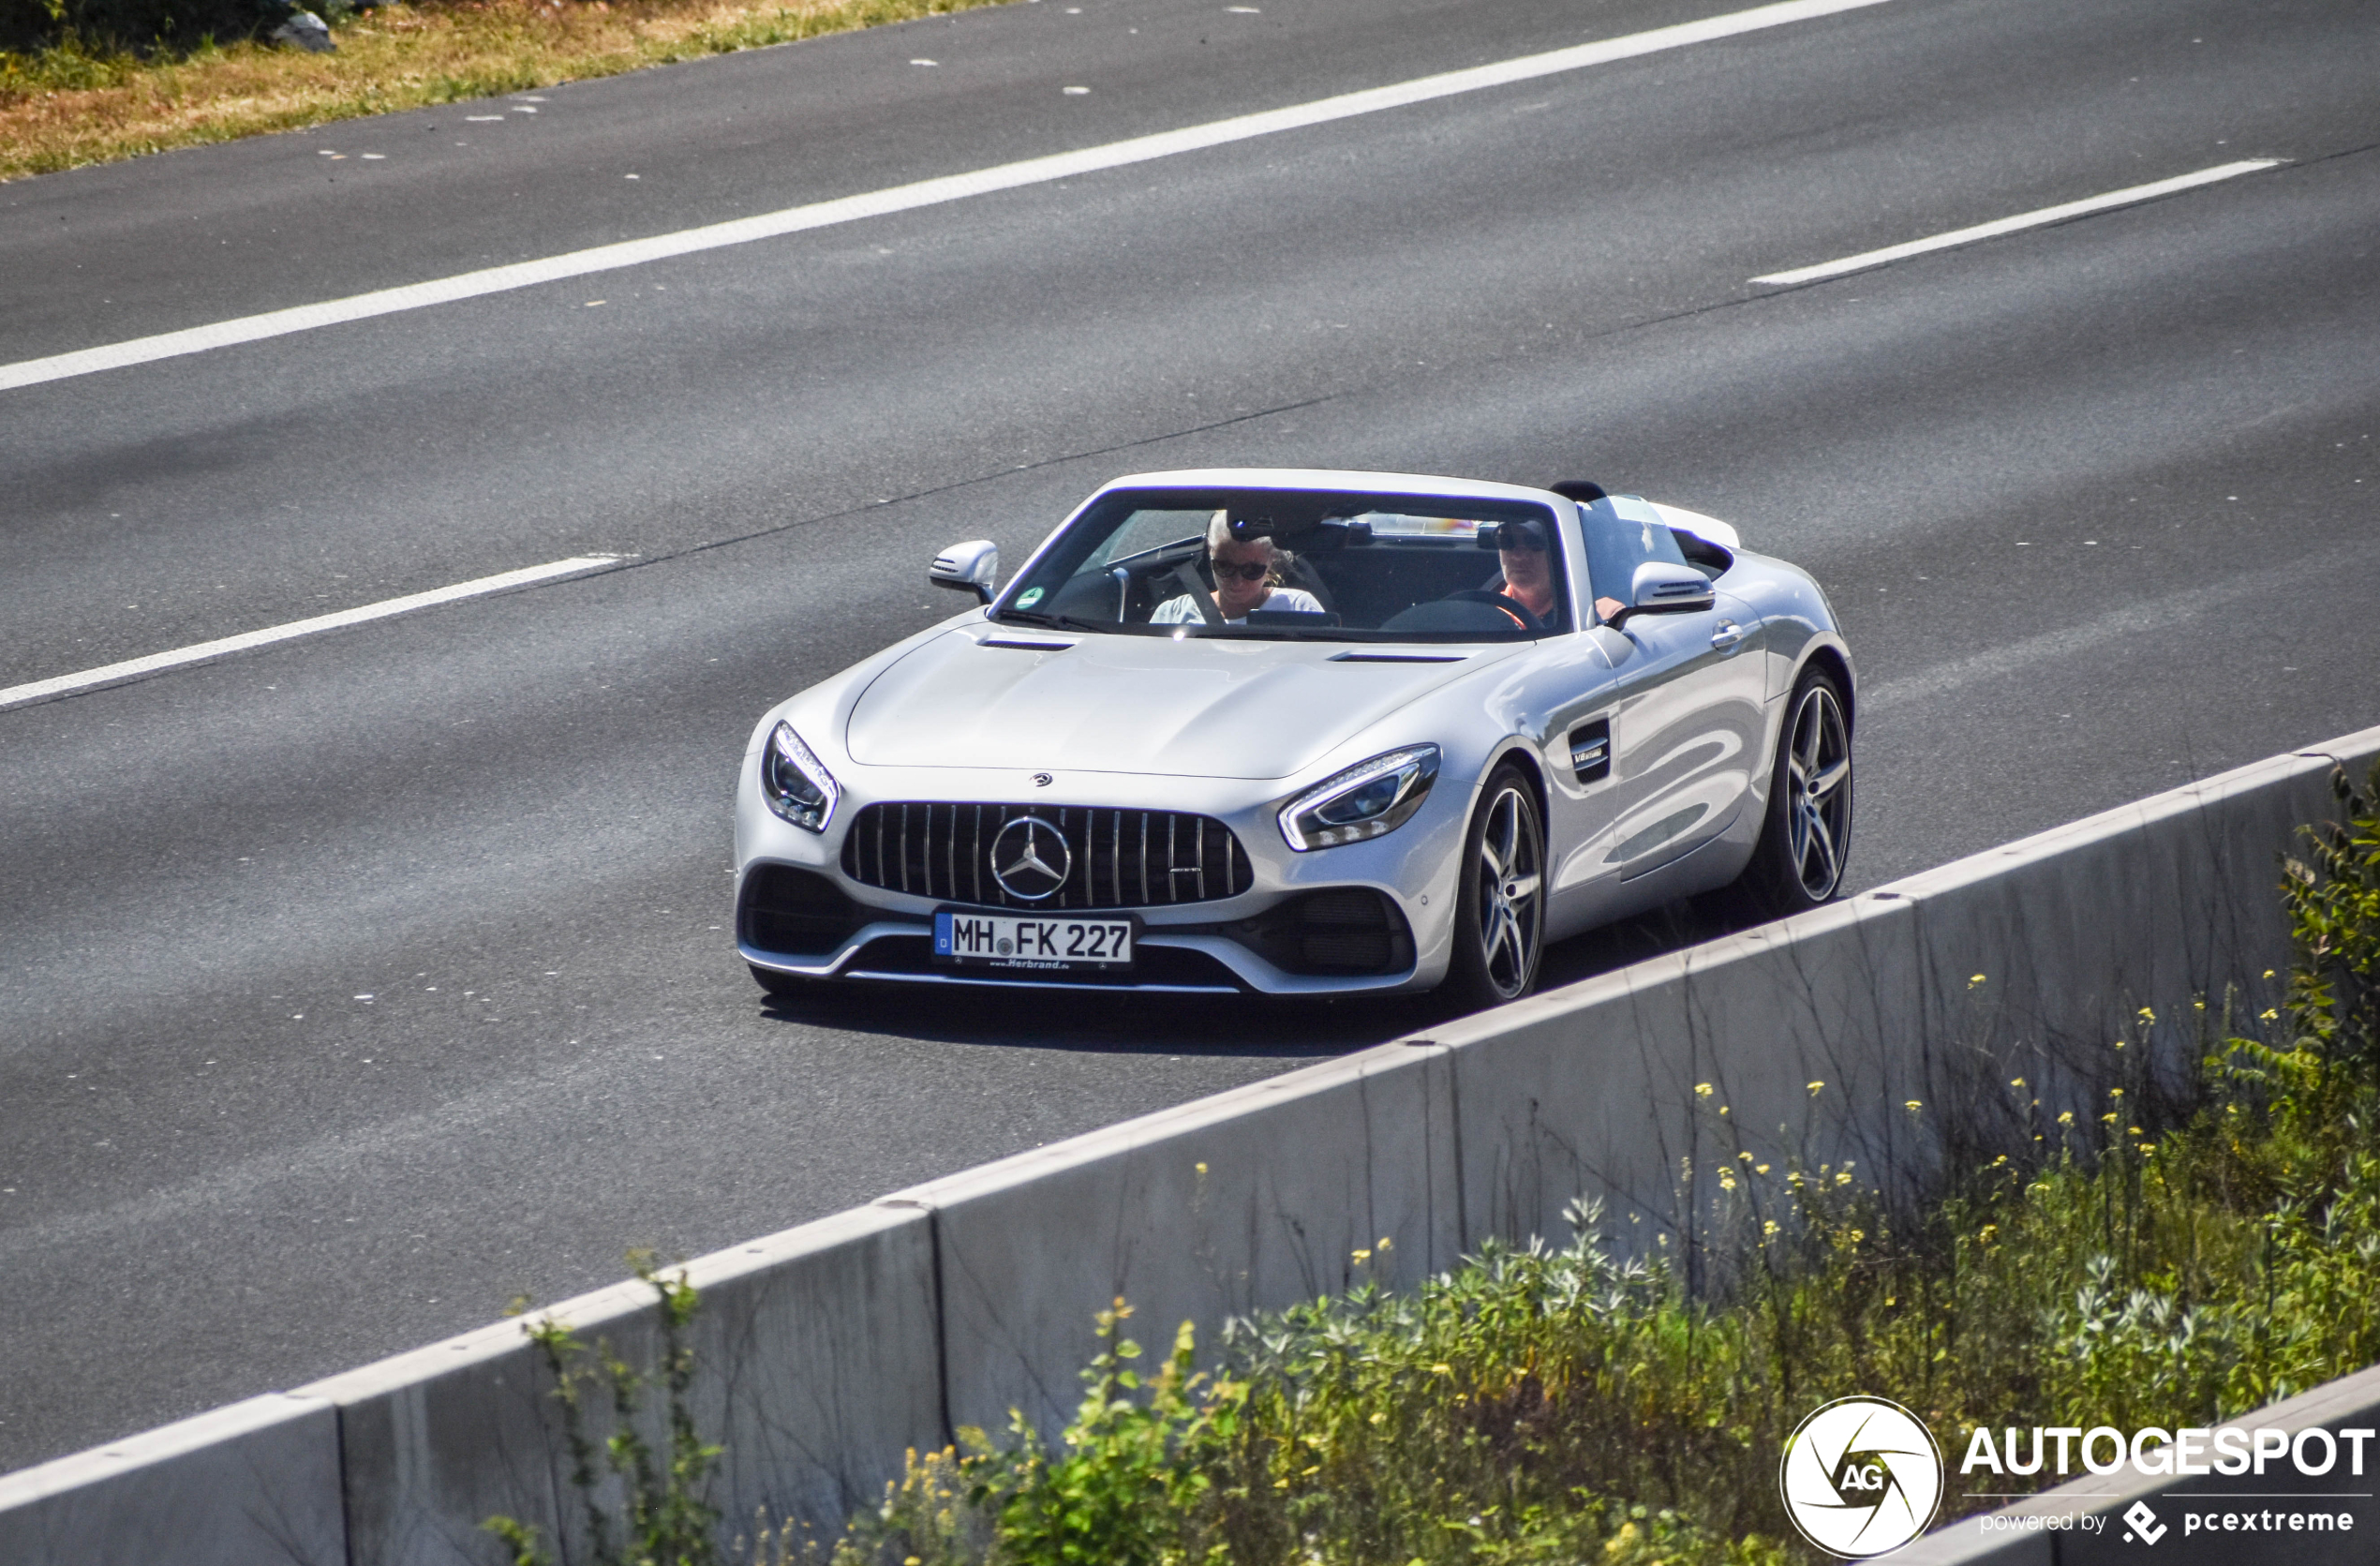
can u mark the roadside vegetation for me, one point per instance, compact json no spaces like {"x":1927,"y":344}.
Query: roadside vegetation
{"x":92,"y":81}
{"x":1564,"y":1405}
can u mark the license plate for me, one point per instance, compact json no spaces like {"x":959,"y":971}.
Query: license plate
{"x":1047,"y":944}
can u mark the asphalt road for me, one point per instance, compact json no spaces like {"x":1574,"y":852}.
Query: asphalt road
{"x":352,"y":987}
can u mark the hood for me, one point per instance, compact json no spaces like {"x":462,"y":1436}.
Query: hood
{"x":992,"y":697}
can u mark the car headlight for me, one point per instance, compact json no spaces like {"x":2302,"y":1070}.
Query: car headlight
{"x":1361,"y":802}
{"x":797,"y":784}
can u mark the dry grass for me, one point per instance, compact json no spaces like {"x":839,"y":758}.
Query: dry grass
{"x":68,"y":107}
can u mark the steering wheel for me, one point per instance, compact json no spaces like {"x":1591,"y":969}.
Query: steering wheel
{"x":1505,"y":602}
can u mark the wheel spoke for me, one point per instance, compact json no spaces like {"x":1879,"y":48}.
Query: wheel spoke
{"x":1829,"y":777}
{"x":1822,"y":841}
{"x":1521,"y":887}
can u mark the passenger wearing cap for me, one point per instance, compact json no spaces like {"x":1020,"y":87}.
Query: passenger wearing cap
{"x":1248,"y":576}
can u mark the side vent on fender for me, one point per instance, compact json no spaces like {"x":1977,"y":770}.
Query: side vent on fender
{"x":1591,"y":751}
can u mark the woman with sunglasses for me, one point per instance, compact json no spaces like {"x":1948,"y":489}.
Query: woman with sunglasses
{"x":1247,"y":575}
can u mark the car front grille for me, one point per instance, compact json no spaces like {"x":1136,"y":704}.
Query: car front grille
{"x":1118,"y":858}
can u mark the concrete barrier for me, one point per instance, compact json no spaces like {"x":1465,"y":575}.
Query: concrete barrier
{"x":818,"y":1368}
{"x":1789,"y":1045}
{"x":1258,"y":1198}
{"x":256,"y":1483}
{"x":1852,"y":1035}
{"x":2026,"y":961}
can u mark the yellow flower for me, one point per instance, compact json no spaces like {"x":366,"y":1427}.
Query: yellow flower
{"x":1386,"y":1242}
{"x":1744,"y":1157}
{"x":1702,"y":1090}
{"x":2115,"y":1092}
{"x":1768,"y":1229}
{"x":1723,"y":1109}
{"x":1815,"y":1086}
{"x":1759,"y":1169}
{"x":1913,"y":1105}
{"x":1379,"y":1416}
{"x":2016,"y":1082}
{"x":1362,"y":1256}
{"x":1726,"y":1181}
{"x":2146,"y":1015}
{"x":1441,"y":1370}
{"x":2269,"y":1015}
{"x":2268,"y":973}
{"x":1844,"y":1178}
{"x":2066,"y":1117}
{"x":1977,"y":980}
{"x":2107,"y":1119}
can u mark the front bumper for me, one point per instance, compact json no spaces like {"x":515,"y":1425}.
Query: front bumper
{"x":1361,"y":917}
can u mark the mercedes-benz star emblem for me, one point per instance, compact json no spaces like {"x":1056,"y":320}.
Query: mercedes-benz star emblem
{"x":1042,"y":779}
{"x":1029,"y":858}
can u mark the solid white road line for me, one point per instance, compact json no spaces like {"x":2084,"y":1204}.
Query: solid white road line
{"x":2023,"y":220}
{"x":904,"y":198}
{"x":16,"y":695}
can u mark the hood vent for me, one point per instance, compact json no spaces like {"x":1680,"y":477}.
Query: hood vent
{"x":1399,"y":658}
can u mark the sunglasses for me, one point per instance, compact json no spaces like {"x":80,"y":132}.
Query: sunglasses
{"x":1246,"y":570}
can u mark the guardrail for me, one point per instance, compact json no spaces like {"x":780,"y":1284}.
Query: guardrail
{"x":829,"y":1351}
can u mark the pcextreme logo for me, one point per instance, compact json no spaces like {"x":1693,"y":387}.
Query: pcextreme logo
{"x":1860,"y":1477}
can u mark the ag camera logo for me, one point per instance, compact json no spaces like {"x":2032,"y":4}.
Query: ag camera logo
{"x":1860,"y":1477}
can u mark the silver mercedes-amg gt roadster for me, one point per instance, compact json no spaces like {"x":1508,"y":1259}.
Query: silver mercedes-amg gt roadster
{"x":1299,"y":731}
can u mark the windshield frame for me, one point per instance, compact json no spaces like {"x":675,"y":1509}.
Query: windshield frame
{"x":1296,"y":513}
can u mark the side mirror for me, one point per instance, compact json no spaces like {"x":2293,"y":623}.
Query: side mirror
{"x":970,"y":567}
{"x":1662,"y":589}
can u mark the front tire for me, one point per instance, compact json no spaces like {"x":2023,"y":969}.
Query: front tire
{"x":1499,"y":920}
{"x":1807,"y":838}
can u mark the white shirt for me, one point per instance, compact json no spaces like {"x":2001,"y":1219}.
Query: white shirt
{"x":1184,"y":609}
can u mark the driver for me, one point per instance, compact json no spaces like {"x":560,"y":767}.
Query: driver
{"x":1247,"y":575}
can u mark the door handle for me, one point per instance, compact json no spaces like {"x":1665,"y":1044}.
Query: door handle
{"x":1727,"y":634}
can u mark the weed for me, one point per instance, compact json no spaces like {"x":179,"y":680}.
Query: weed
{"x":664,"y":1517}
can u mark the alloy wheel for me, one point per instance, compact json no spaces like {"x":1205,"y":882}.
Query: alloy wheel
{"x":1817,"y":783}
{"x":1511,"y":871}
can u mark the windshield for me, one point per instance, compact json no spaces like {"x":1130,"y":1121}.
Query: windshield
{"x":1301,"y":565}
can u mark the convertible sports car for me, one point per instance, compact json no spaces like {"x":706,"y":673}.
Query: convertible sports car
{"x":1303,"y":732}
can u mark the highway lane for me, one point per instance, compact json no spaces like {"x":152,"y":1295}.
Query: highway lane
{"x":2094,"y":499}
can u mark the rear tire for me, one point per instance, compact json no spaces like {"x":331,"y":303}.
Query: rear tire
{"x":1806,"y":839}
{"x":1500,"y":918}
